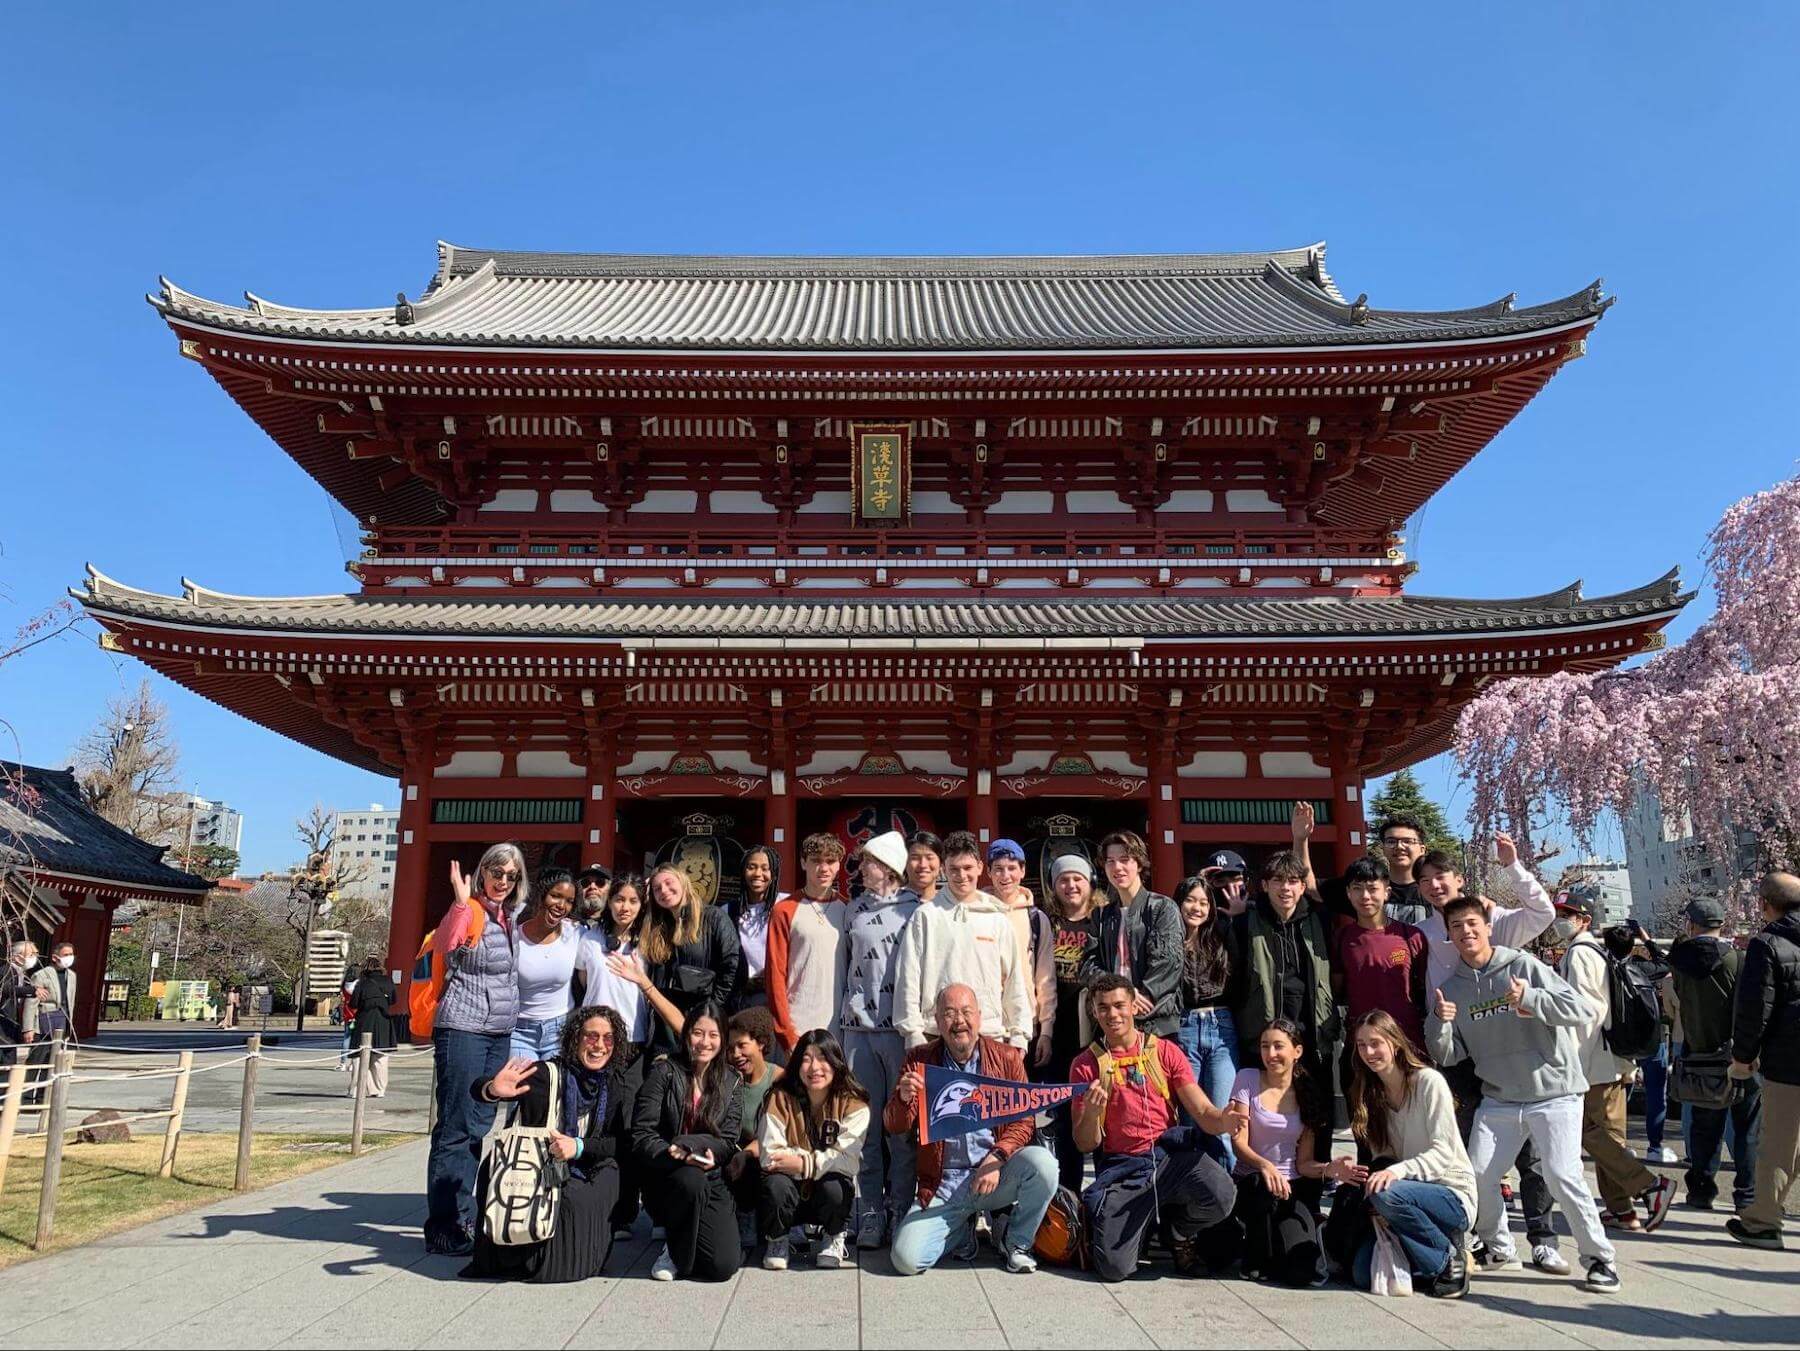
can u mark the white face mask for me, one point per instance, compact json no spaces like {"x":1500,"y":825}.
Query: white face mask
{"x":1565,"y":929}
{"x":65,"y":962}
{"x":28,"y":961}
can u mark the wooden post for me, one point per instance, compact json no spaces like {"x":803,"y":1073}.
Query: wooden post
{"x":62,"y":1063}
{"x":247,"y":1112}
{"x":177,"y":1107}
{"x":9,"y":1114}
{"x":361,"y":1093}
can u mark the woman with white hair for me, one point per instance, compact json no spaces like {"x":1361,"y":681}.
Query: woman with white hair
{"x":473,"y":946}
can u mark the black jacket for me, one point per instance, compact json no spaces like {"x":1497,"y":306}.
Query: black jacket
{"x":659,"y":1117}
{"x":369,"y":1004}
{"x":1150,"y":954}
{"x":1767,"y":1022}
{"x":1262,"y":948}
{"x":608,"y":1135}
{"x":1706,"y":976}
{"x":702,"y":972}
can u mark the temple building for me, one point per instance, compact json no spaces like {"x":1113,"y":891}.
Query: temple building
{"x":665,"y":556}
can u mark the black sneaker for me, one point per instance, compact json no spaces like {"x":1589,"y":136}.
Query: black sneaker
{"x":1453,"y":1281}
{"x":1657,"y":1202}
{"x":1602,"y":1279}
{"x":459,"y":1244}
{"x":1701,"y":1202}
{"x":1769,"y":1239}
{"x":1186,"y":1252}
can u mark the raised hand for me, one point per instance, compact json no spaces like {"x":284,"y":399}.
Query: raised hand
{"x":1506,"y":853}
{"x":1443,"y":1008}
{"x":1515,"y":995}
{"x":509,"y":1083}
{"x":1302,"y":821}
{"x":459,"y":885}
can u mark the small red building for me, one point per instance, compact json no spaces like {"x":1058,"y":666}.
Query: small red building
{"x":661,"y":551}
{"x":67,"y":869}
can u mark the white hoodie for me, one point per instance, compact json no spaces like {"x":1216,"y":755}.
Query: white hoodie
{"x":969,"y":943}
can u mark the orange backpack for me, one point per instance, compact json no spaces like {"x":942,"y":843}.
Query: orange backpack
{"x":1062,"y":1238}
{"x":428,"y":975}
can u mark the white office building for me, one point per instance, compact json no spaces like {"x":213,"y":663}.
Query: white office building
{"x":1669,"y":867}
{"x":1614,"y":881}
{"x":364,"y":846}
{"x":202,"y":821}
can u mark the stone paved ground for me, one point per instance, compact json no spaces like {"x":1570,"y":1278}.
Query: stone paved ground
{"x":334,"y":1260}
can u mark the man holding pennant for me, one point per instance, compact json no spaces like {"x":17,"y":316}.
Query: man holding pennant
{"x":967,"y":1097}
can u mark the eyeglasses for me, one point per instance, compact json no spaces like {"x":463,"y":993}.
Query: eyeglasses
{"x":1393,"y":842}
{"x":596,"y":1039}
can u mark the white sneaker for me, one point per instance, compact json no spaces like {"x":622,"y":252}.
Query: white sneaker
{"x":834,"y":1253}
{"x":775,"y":1256}
{"x":664,"y":1270}
{"x":1546,"y":1257}
{"x":1020,"y":1262}
{"x":1663,"y":1154}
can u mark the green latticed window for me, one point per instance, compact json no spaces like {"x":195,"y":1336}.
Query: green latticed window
{"x":1246,"y":811}
{"x":506,"y":811}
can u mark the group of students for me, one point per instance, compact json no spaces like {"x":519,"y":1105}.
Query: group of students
{"x":752,"y":1074}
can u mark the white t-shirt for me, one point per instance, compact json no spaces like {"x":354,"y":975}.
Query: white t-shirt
{"x":753,"y":937}
{"x":544,"y":972}
{"x":603,"y":987}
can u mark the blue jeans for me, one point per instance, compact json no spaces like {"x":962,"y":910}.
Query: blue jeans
{"x":1656,"y":1094}
{"x":1209,"y":1036}
{"x":884,"y":1178}
{"x":463,"y":1059}
{"x":1426,"y":1218}
{"x":1704,"y":1129}
{"x":1027,"y":1182}
{"x":537,"y":1038}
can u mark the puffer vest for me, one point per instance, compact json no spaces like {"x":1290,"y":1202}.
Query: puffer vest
{"x":481,"y":990}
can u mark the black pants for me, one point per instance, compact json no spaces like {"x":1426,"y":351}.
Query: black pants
{"x":631,"y":1174}
{"x":698,"y":1219}
{"x":782,"y":1202}
{"x":1185,"y":1187}
{"x":1281,"y":1233}
{"x":1534,"y":1193}
{"x":1059,"y":1136}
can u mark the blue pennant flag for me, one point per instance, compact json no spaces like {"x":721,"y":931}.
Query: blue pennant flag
{"x":957,"y":1103}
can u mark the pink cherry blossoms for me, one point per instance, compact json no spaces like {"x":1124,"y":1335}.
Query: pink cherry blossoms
{"x":1713,"y":725}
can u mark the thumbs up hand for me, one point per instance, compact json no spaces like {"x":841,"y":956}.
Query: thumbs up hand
{"x":1516,"y":997}
{"x":1446,"y":1011}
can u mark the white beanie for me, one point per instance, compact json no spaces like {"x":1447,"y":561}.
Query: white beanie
{"x":1072,"y":863}
{"x":889,"y":849}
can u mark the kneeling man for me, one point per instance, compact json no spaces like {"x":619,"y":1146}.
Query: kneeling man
{"x":988,"y":1169}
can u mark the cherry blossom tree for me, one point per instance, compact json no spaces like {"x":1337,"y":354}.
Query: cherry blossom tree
{"x":1713,"y":725}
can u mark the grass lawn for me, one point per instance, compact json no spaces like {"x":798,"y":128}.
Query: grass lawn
{"x":107,"y":1188}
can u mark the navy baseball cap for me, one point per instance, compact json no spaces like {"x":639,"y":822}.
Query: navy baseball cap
{"x":1005,"y":849}
{"x":1224,"y":862}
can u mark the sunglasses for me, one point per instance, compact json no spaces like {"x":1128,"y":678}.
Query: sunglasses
{"x":596,"y":1039}
{"x":504,"y":874}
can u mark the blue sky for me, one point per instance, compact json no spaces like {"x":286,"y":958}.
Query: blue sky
{"x":1447,"y":153}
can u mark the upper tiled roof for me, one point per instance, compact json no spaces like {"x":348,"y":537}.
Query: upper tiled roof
{"x":45,"y":825}
{"x":748,"y":622}
{"x":483,"y":298}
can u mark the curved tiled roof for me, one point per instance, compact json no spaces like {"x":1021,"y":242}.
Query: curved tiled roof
{"x":45,"y":825}
{"x":859,"y":619}
{"x":486,"y":298}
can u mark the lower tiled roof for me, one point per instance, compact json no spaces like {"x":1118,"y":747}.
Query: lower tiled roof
{"x":45,"y":826}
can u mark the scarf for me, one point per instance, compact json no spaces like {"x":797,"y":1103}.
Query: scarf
{"x":583,"y":1091}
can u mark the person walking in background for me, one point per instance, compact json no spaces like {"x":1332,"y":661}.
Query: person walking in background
{"x":809,"y":1144}
{"x":684,"y":1128}
{"x":1766,"y":1036}
{"x":1208,"y":1032}
{"x":547,"y":945}
{"x":1703,"y":981}
{"x":15,"y":989}
{"x":471,"y":1033}
{"x":873,"y":931}
{"x":371,"y":1016}
{"x":48,"y":1016}
{"x":750,"y":914}
{"x":807,"y":954}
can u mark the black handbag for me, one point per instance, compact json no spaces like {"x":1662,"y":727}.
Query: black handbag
{"x":1703,"y":1079}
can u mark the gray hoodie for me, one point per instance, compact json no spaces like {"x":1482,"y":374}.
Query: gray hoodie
{"x":1520,"y":1059}
{"x":872,"y":934}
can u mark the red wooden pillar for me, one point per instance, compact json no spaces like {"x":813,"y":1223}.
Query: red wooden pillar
{"x":1165,"y":818}
{"x":779,"y":826}
{"x":1350,"y":840}
{"x":406,"y":920}
{"x":599,"y":813}
{"x":984,"y":806}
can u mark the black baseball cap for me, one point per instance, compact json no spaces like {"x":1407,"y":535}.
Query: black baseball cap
{"x":1224,"y":861}
{"x":1582,"y":899}
{"x":593,"y":872}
